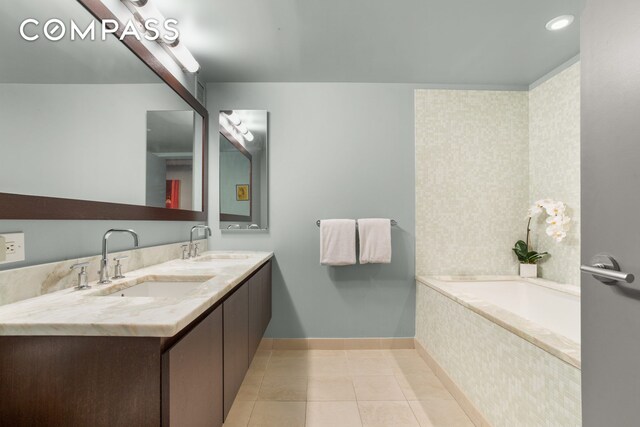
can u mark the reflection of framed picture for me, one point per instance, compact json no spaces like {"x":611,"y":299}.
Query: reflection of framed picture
{"x":242,"y":192}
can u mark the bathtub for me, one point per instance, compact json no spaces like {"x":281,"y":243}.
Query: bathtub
{"x":509,"y":346}
{"x":546,"y":305}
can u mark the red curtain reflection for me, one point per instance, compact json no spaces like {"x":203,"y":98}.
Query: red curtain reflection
{"x":173,"y":194}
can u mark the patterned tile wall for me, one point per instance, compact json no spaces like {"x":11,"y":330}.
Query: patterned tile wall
{"x":512,"y":382}
{"x":554,"y":167}
{"x":472,"y":168}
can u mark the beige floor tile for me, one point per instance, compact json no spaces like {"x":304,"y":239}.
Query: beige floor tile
{"x":422,"y":386}
{"x":333,"y":414}
{"x":248,"y":393}
{"x":367,"y":354}
{"x":285,"y":388}
{"x":409,"y":366}
{"x":330,"y":388}
{"x":290,"y":354}
{"x":278,"y":414}
{"x":320,"y":353}
{"x":239,"y":414}
{"x":377,"y":387}
{"x":291,"y":344}
{"x":440,"y":413}
{"x":404,"y":354}
{"x":387,"y":414}
{"x":328,"y":366}
{"x":287,"y":366}
{"x":371,"y":366}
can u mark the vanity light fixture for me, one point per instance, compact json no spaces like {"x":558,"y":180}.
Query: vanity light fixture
{"x":238,"y":126}
{"x":560,"y":22}
{"x":184,"y":57}
{"x":143,"y":11}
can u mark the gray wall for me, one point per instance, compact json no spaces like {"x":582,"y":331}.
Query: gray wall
{"x":49,"y":241}
{"x":336,"y":151}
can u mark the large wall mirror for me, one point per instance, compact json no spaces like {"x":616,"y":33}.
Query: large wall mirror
{"x":244,"y":182}
{"x":94,"y":129}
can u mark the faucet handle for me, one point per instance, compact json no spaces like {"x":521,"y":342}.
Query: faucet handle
{"x":83,"y":278}
{"x":196,"y":250}
{"x":117,"y":273}
{"x":185,"y":251}
{"x":81,"y":265}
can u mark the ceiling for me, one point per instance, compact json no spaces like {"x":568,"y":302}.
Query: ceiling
{"x":470,"y":42}
{"x":452,"y":42}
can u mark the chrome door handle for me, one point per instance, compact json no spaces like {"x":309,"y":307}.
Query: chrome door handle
{"x":607,"y":270}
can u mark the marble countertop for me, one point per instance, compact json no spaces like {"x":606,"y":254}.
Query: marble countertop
{"x":91,"y":313}
{"x":551,"y":342}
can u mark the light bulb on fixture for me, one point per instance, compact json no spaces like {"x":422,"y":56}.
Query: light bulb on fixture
{"x":242,"y":128}
{"x":248,"y":136}
{"x":560,"y":22}
{"x":184,"y":57}
{"x":235,"y":119}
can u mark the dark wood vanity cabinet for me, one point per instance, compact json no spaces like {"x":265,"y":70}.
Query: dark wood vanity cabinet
{"x":236,"y":342}
{"x":190,"y":379}
{"x":191,"y":376}
{"x":247,"y":314}
{"x":259,"y":307}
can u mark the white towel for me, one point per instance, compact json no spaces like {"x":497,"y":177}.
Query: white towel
{"x":375,"y":240}
{"x":338,"y":241}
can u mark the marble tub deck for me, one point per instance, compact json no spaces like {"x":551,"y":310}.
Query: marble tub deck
{"x":561,"y":347}
{"x":91,"y":313}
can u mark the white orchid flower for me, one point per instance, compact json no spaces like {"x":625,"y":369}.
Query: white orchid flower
{"x":534,"y":210}
{"x":556,"y":208}
{"x":558,"y":220}
{"x":557,"y":232}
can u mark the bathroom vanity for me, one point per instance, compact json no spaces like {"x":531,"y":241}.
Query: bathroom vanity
{"x":104,"y":357}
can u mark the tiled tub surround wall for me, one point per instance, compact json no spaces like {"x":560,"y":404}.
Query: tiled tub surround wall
{"x":511,"y":381}
{"x":554,"y":167}
{"x":28,"y":282}
{"x":471,"y":180}
{"x":481,"y":158}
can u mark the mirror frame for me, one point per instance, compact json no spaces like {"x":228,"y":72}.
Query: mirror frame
{"x":244,"y":152}
{"x":19,"y":206}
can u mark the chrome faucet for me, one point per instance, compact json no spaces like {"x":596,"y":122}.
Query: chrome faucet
{"x":193,"y":249}
{"x":104,"y":262}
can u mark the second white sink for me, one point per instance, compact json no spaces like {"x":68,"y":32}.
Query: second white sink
{"x":157,"y":289}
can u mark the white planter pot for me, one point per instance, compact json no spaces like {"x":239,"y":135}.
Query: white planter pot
{"x":528,"y":270}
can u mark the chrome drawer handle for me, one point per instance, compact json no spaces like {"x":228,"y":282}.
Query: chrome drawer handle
{"x":606,"y":269}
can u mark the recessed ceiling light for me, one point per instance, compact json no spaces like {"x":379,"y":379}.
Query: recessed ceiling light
{"x":560,"y":22}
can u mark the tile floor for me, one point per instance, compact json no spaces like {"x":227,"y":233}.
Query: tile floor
{"x":343,"y":388}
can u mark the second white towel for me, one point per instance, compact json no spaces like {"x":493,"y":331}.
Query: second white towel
{"x":375,"y":240}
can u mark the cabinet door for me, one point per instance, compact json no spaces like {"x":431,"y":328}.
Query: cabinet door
{"x":236,"y":343}
{"x":256,"y":316}
{"x":192,"y":378}
{"x":266,"y":297}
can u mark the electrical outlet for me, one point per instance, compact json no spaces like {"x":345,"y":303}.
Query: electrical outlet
{"x":12,"y":247}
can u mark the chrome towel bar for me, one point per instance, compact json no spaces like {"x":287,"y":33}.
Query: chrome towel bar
{"x":393,"y":223}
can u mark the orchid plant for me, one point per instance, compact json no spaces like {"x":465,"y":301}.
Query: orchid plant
{"x":558,"y":225}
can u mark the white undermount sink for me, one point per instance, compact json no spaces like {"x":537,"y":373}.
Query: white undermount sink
{"x":213,"y":257}
{"x":157,"y":289}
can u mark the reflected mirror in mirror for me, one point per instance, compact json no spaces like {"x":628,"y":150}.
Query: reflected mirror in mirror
{"x":81,"y":119}
{"x":244,"y":194}
{"x":174,"y":156}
